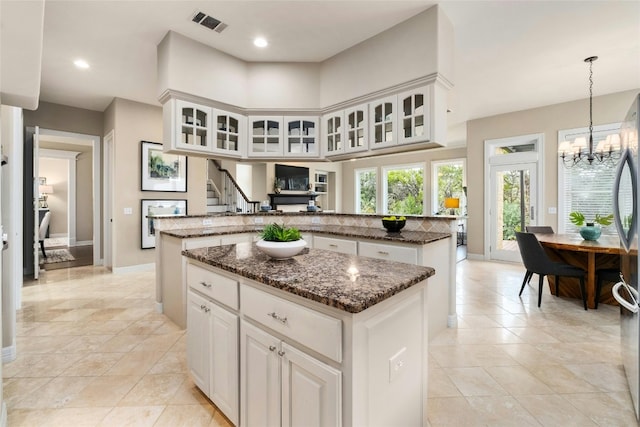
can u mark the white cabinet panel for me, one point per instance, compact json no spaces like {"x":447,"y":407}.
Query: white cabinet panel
{"x":193,"y":130}
{"x":198,"y":356}
{"x":337,"y":245}
{"x":383,"y":123}
{"x":265,"y":136}
{"x":333,"y":133}
{"x":223,"y":388}
{"x":356,"y":128}
{"x":230,"y":133}
{"x":414,"y":121}
{"x":311,"y":391}
{"x":388,"y":252}
{"x":216,"y":286}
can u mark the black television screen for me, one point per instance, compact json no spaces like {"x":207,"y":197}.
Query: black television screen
{"x":295,"y":178}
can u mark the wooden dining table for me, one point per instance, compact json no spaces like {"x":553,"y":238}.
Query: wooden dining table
{"x":590,"y":255}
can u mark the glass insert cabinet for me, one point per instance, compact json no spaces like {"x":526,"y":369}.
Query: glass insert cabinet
{"x":265,"y":139}
{"x":194,"y":131}
{"x":383,"y":122}
{"x":302,"y":136}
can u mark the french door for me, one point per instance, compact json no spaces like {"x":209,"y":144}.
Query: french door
{"x":513,"y":198}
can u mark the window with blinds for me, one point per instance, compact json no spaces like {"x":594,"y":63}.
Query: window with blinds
{"x":587,"y":188}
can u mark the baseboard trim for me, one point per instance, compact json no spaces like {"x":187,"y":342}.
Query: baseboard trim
{"x":159,"y":307}
{"x":9,"y":354}
{"x":134,"y":268}
{"x":3,"y":415}
{"x":475,"y":257}
{"x":83,"y":243}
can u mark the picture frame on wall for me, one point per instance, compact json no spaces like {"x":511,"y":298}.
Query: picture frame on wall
{"x":162,"y":171}
{"x":169,"y":207}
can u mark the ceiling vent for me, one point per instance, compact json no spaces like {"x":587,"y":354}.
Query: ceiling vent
{"x":209,"y":21}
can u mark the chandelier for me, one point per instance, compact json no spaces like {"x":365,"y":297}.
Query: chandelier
{"x":582,"y":150}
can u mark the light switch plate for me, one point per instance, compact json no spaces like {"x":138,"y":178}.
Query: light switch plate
{"x":128,"y":211}
{"x":552,"y":210}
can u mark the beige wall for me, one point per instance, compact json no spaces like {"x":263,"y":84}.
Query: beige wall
{"x":423,"y":156}
{"x":547,"y":120}
{"x":134,"y":122}
{"x":64,"y":118}
{"x":56,"y":171}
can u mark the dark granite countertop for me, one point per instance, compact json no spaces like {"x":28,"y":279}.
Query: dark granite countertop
{"x":348,"y":282}
{"x":414,"y":237}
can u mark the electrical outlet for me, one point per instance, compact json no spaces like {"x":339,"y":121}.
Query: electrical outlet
{"x":315,"y":220}
{"x":258,"y":220}
{"x":396,"y":364}
{"x":207,"y":221}
{"x":128,"y":211}
{"x":552,"y":211}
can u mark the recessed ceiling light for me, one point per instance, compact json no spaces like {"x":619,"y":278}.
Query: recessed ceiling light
{"x":81,"y":63}
{"x":260,"y":42}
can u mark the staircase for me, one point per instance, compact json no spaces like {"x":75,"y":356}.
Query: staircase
{"x":227,"y":196}
{"x":213,"y":199}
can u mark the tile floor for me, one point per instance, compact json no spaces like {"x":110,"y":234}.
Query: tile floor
{"x":92,"y":352}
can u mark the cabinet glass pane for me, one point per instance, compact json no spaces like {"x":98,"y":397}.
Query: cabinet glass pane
{"x":330,"y":126}
{"x":308,"y":128}
{"x":378,"y":133}
{"x":360,"y":138}
{"x":187,"y":115}
{"x":388,"y":132}
{"x":406,"y":106}
{"x":187,"y":135}
{"x":233,"y":125}
{"x":201,"y":137}
{"x":309,"y":145}
{"x":258,"y":128}
{"x":220,"y":140}
{"x":338,"y":124}
{"x":258,"y":145}
{"x":201,"y":118}
{"x":351,"y":138}
{"x":351,"y":120}
{"x":233,"y":143}
{"x":294,"y":128}
{"x":378,"y":114}
{"x":273,"y":145}
{"x":359,"y":118}
{"x":330,"y":145}
{"x":419,"y":120}
{"x":406,"y":127}
{"x":419,"y":104}
{"x":294,"y":145}
{"x":273,"y":128}
{"x":388,"y":110}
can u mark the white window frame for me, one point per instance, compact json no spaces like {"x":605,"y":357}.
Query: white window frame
{"x":386,"y":169}
{"x":357,"y":173}
{"x":435,"y":164}
{"x":570,"y":135}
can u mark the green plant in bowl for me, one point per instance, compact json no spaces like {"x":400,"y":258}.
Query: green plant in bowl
{"x":579,"y":219}
{"x":279,"y":233}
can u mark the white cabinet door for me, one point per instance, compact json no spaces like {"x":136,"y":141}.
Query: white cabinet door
{"x":349,"y":247}
{"x":193,"y":127}
{"x":333,"y":134}
{"x":260,"y":377}
{"x":265,"y":136}
{"x":356,"y":128}
{"x":198,"y":336}
{"x":413,"y":116}
{"x":229,"y":133}
{"x":382,"y":121}
{"x":224,"y":362}
{"x":311,"y":391}
{"x":301,"y":137}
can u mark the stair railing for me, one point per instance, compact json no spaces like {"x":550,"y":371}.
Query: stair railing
{"x":234,"y":197}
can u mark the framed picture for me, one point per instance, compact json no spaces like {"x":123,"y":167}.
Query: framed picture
{"x":162,"y":171}
{"x":158,"y":208}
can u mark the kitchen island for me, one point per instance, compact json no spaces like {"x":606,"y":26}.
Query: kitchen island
{"x":424,"y":241}
{"x":324,"y":338}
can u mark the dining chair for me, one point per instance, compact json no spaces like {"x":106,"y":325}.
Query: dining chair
{"x":540,"y":229}
{"x":537,"y":261}
{"x":42,"y":231}
{"x":610,"y":275}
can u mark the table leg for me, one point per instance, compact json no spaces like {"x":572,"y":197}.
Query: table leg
{"x":591,"y":280}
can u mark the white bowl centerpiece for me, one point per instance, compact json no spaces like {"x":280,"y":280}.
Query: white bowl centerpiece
{"x":280,"y":242}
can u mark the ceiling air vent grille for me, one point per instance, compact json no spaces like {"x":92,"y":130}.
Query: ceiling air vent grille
{"x":209,"y":21}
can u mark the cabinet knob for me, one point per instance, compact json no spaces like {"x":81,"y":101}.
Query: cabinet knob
{"x":281,"y":353}
{"x":333,"y":245}
{"x":272,"y":348}
{"x":205,"y":284}
{"x":383,"y":252}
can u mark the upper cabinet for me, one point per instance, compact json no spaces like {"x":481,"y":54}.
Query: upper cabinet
{"x":265,"y":136}
{"x":382,"y":122}
{"x":356,"y":119}
{"x":193,"y":126}
{"x":414,"y":121}
{"x":230,"y":128}
{"x":302,"y":137}
{"x":333,"y":134}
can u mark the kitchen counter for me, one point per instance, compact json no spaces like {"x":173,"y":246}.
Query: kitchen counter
{"x":405,"y":236}
{"x":347,"y":282}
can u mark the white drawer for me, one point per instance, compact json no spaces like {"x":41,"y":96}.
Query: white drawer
{"x":220,"y":288}
{"x":201,"y":242}
{"x":310,"y":328}
{"x":337,"y":245}
{"x":235,"y":238}
{"x":390,"y":252}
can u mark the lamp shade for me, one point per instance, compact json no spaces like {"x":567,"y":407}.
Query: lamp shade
{"x":45,"y":189}
{"x":451,"y":203}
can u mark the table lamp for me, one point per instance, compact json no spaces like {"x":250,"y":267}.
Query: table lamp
{"x":44,"y":190}
{"x":452,"y":203}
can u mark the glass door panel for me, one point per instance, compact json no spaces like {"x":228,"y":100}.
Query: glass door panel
{"x":513,"y":198}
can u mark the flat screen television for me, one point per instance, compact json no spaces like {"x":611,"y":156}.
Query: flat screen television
{"x":294,"y":178}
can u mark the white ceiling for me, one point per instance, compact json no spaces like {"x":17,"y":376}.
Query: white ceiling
{"x":510,"y":55}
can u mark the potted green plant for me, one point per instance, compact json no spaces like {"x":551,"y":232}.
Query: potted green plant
{"x":589,"y":230}
{"x":280,"y":242}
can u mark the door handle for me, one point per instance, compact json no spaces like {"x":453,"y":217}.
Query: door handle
{"x":533,"y":213}
{"x":632,"y":307}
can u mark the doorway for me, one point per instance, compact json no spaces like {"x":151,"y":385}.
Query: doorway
{"x":512,"y":180}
